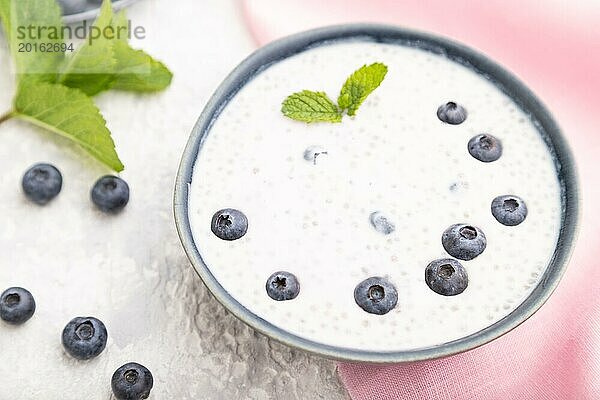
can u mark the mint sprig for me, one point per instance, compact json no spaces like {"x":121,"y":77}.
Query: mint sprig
{"x":308,"y":106}
{"x":54,"y":90}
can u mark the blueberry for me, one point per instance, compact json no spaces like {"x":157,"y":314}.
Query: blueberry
{"x":132,"y":381}
{"x":41,"y":183}
{"x":381,"y":223}
{"x":376,"y":295}
{"x":84,"y":338}
{"x":110,"y":194}
{"x":72,"y":6}
{"x":16,"y":305}
{"x":463,"y":241}
{"x":282,"y":286}
{"x":452,"y":113}
{"x":229,"y":224}
{"x":312,"y":152}
{"x":446,"y":277}
{"x":485,"y":148}
{"x":509,"y":210}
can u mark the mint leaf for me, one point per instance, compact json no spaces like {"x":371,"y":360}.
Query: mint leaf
{"x":135,"y":69}
{"x":360,"y":85}
{"x":91,"y":68}
{"x":138,"y":71}
{"x":5,"y":18}
{"x":308,"y":106}
{"x":45,"y":17}
{"x":112,"y":64}
{"x":69,"y":113}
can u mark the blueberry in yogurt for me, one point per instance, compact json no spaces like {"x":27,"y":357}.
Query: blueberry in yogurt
{"x":312,"y":152}
{"x":229,"y":224}
{"x":464,"y":241}
{"x":452,"y":113}
{"x":282,"y":286}
{"x":84,"y":338}
{"x":381,"y":223}
{"x":376,"y":295}
{"x":485,"y":148}
{"x":110,"y":194}
{"x":132,"y":381}
{"x":446,"y":277}
{"x":509,"y":210}
{"x":16,"y":305}
{"x":41,"y":183}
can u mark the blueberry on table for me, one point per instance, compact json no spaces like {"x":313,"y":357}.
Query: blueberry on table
{"x":72,"y":6}
{"x":16,"y":305}
{"x":381,"y":223}
{"x":464,"y":241}
{"x":229,"y":224}
{"x":41,"y":183}
{"x":446,"y":277}
{"x":282,"y":286}
{"x":110,"y":194}
{"x":509,"y":210}
{"x":132,"y":381}
{"x":452,"y":113}
{"x":84,"y":337}
{"x":376,"y":295}
{"x":485,"y":148}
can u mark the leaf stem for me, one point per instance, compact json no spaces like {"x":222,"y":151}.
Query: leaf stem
{"x":7,"y":116}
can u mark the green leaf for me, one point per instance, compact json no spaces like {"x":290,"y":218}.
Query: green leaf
{"x":139,"y":72}
{"x":308,"y":106}
{"x":91,"y":68}
{"x":69,"y":113}
{"x":37,"y":23}
{"x":360,"y":85}
{"x":5,"y":18}
{"x":136,"y":70}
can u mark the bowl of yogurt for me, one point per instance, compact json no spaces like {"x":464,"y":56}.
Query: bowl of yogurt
{"x":438,"y":218}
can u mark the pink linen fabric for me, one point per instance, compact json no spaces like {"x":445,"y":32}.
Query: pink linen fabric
{"x":554,"y":46}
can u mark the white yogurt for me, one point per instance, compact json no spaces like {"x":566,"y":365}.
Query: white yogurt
{"x":312,"y":217}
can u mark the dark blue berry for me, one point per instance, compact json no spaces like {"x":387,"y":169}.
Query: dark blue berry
{"x":41,"y":183}
{"x":132,"y":381}
{"x":376,"y":295}
{"x":452,"y":113}
{"x":463,"y":241}
{"x":110,"y":194}
{"x":229,"y":224}
{"x":84,"y":337}
{"x":381,"y":223}
{"x":282,"y":286}
{"x":509,"y":210}
{"x":485,"y":148}
{"x":446,"y":277}
{"x":16,"y":305}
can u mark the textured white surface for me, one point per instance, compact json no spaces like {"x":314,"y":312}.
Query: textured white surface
{"x":395,"y":156}
{"x":130,"y":270}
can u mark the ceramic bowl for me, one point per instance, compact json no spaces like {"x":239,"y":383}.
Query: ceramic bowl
{"x":507,"y":82}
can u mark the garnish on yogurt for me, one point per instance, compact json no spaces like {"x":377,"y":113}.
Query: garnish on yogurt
{"x":308,"y":106}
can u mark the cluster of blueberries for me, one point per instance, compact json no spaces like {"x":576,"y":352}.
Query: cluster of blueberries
{"x":43,"y":182}
{"x":447,"y":276}
{"x":70,"y":7}
{"x":83,"y":338}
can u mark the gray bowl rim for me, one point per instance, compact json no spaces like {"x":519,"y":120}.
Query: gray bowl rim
{"x":506,"y":81}
{"x":94,"y":12}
